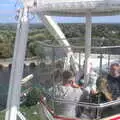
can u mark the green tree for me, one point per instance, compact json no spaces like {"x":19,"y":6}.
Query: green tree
{"x":33,"y":97}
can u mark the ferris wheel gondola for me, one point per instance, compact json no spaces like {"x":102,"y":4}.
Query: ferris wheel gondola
{"x":44,"y":9}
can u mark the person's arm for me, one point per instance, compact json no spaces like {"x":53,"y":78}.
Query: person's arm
{"x":92,"y":82}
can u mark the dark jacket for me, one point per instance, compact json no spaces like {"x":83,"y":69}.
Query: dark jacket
{"x":114,"y":85}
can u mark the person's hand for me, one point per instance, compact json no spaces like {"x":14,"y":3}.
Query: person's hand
{"x":93,"y":92}
{"x":118,"y":98}
{"x":109,"y":98}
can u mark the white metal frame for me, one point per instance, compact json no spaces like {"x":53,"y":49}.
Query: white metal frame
{"x":55,"y":30}
{"x":19,"y":55}
{"x":17,"y":66}
{"x":22,"y":35}
{"x":88,"y":30}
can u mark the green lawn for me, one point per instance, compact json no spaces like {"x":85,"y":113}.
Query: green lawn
{"x":31,"y":113}
{"x":2,"y":115}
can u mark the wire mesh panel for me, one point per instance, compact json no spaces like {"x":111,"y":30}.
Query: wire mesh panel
{"x":89,"y":107}
{"x":48,"y":67}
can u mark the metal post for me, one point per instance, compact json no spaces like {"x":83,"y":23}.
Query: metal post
{"x":17,"y":66}
{"x":79,"y":61}
{"x":88,"y":29}
{"x":53,"y":79}
{"x":100,"y":67}
{"x":109,"y":61}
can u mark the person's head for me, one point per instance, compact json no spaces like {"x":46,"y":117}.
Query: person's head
{"x":32,"y":65}
{"x":67,"y":77}
{"x":115,"y":70}
{"x":60,"y":64}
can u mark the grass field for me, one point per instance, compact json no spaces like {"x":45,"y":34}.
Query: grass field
{"x":2,"y":115}
{"x":30,"y":113}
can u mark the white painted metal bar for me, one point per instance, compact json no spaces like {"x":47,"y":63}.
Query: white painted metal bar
{"x":26,"y":79}
{"x":78,"y":47}
{"x":75,"y":7}
{"x":8,"y":111}
{"x":20,"y":115}
{"x":86,"y":104}
{"x":55,"y":30}
{"x":17,"y":66}
{"x":88,"y":30}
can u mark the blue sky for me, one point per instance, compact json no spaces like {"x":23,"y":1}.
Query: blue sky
{"x":8,"y":11}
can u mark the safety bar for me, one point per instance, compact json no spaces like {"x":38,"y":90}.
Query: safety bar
{"x":91,"y":105}
{"x":85,"y":104}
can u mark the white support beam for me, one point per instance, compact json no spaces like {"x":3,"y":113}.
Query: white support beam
{"x":88,"y":31}
{"x":26,"y":79}
{"x":55,"y":30}
{"x":17,"y":66}
{"x":21,"y":116}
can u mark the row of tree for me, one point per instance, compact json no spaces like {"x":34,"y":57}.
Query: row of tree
{"x":102,"y":35}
